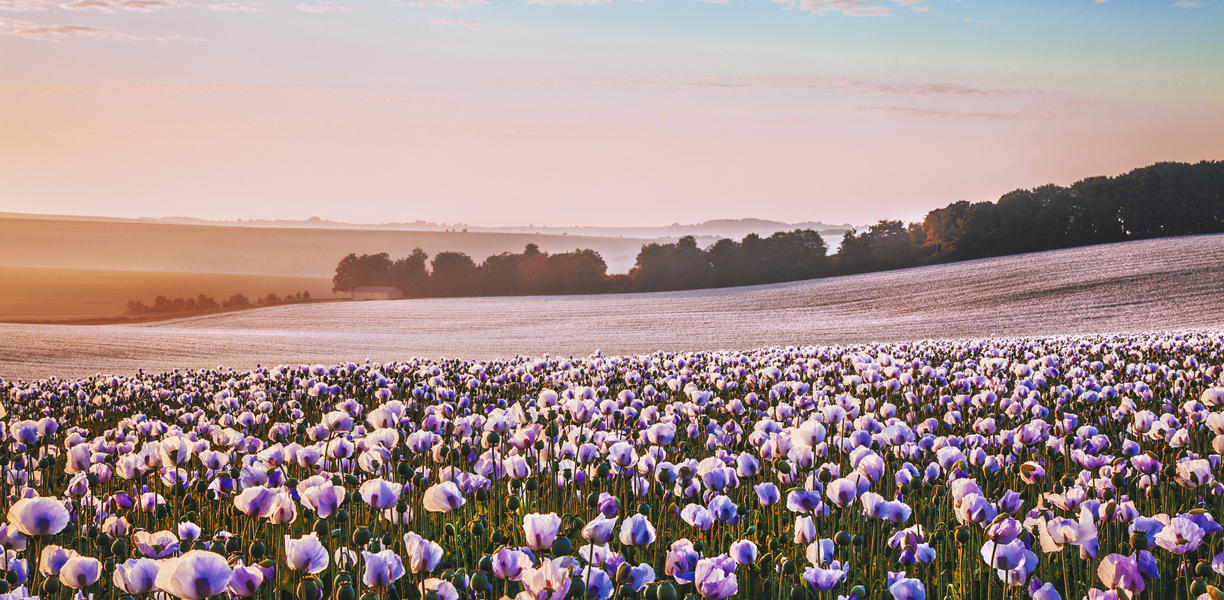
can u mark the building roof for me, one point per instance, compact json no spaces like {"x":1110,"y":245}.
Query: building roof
{"x":388,"y":290}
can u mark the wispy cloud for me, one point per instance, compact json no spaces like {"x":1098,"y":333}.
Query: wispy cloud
{"x":23,"y":5}
{"x":457,"y":22}
{"x":1188,"y":4}
{"x":851,"y":8}
{"x":235,"y":7}
{"x":52,"y":32}
{"x":38,"y":31}
{"x":453,"y":4}
{"x":577,"y":2}
{"x":324,"y":8}
{"x":111,"y":6}
{"x":932,"y":113}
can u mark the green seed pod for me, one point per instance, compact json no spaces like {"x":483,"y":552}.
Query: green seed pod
{"x":603,"y":470}
{"x":291,"y":483}
{"x":1139,"y":541}
{"x":51,"y":585}
{"x":257,"y":549}
{"x":342,"y":516}
{"x":401,"y":507}
{"x":346,"y":592}
{"x":788,"y":567}
{"x":667,"y":591}
{"x":533,"y":485}
{"x":1203,"y":569}
{"x":361,"y":536}
{"x":482,"y":495}
{"x":562,"y":546}
{"x":962,"y":536}
{"x":480,"y":582}
{"x":449,"y":529}
{"x":370,"y":596}
{"x":120,"y":548}
{"x":342,"y":580}
{"x":859,"y":591}
{"x":308,"y":590}
{"x":857,"y":540}
{"x":200,"y":545}
{"x":651,"y":592}
{"x":513,"y":503}
{"x":644,"y":509}
{"x":1198,"y":587}
{"x":233,"y":545}
{"x":783,"y":467}
{"x":798,"y":593}
{"x":321,"y":528}
{"x":485,"y":564}
{"x":842,"y":539}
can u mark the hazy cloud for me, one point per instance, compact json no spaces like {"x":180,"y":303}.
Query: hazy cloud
{"x":852,"y":8}
{"x":1187,"y":4}
{"x":457,"y":22}
{"x":23,"y":5}
{"x":110,"y":6}
{"x":52,"y":32}
{"x":576,"y":2}
{"x":446,"y":3}
{"x":323,"y":8}
{"x":235,"y":7}
{"x":931,"y":113}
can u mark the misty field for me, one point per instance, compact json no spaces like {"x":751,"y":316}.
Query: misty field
{"x":1142,"y":286}
{"x":37,"y":294}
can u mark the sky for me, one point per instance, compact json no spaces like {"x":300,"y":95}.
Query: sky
{"x":591,"y":112}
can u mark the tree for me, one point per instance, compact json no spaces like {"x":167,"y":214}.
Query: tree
{"x":453,"y":274}
{"x":359,"y":271}
{"x":408,"y":274}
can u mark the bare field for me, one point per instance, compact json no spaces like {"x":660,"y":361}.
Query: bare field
{"x":296,"y":252}
{"x":1132,"y":287}
{"x":40,"y":294}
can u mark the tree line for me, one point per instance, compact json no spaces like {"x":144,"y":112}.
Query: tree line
{"x":202,"y":303}
{"x":1161,"y":200}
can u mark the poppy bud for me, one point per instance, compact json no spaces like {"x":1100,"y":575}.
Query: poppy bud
{"x":233,"y":545}
{"x":1198,"y":588}
{"x":361,"y":536}
{"x":513,"y":503}
{"x":788,"y":567}
{"x":321,"y":528}
{"x":481,"y":495}
{"x":842,"y":538}
{"x":667,"y":591}
{"x":485,"y":564}
{"x":962,"y":536}
{"x":480,"y":582}
{"x":593,"y":500}
{"x":449,"y":529}
{"x":257,"y":550}
{"x":644,"y":509}
{"x":562,"y":546}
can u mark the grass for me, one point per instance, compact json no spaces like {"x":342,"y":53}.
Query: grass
{"x":50,"y":294}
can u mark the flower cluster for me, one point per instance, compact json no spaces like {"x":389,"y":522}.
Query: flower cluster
{"x":1051,"y":468}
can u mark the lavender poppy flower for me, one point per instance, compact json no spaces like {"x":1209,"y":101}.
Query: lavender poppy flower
{"x":825,"y":579}
{"x":1040,"y":591}
{"x":246,"y":580}
{"x":305,"y":554}
{"x":53,"y":558}
{"x":597,"y":584}
{"x":903,"y":588}
{"x":805,"y":530}
{"x":1180,"y":536}
{"x":80,"y":571}
{"x":550,"y":581}
{"x":681,"y":561}
{"x":767,"y":494}
{"x":641,"y":576}
{"x":600,"y":529}
{"x":510,"y":564}
{"x":637,"y":531}
{"x":382,"y":569}
{"x":195,"y":575}
{"x":136,"y":575}
{"x":38,"y":516}
{"x":540,"y":530}
{"x":255,"y":501}
{"x":156,"y":545}
{"x":1120,"y":572}
{"x":715,"y":578}
{"x":802,"y":501}
{"x":443,"y":497}
{"x":744,"y":552}
{"x":380,"y":494}
{"x":423,"y":555}
{"x":324,"y":499}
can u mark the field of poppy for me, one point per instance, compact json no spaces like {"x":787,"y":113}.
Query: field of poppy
{"x":1042,"y":467}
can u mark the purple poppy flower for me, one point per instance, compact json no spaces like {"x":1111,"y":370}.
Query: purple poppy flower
{"x":744,"y":552}
{"x":767,"y":493}
{"x":53,"y":558}
{"x":443,"y":497}
{"x":423,"y":555}
{"x":38,"y":516}
{"x":715,"y":578}
{"x":681,"y":561}
{"x":637,"y":531}
{"x":255,"y":501}
{"x":802,"y":501}
{"x":540,"y":530}
{"x":246,"y":580}
{"x":156,"y":545}
{"x":382,"y":569}
{"x":136,"y":575}
{"x":305,"y":554}
{"x":826,"y":579}
{"x":597,"y":584}
{"x":1180,"y":536}
{"x":380,"y":494}
{"x":509,"y":564}
{"x":903,"y":588}
{"x":195,"y":575}
{"x":1040,"y":591}
{"x":1120,"y":572}
{"x":80,"y":571}
{"x":599,"y":531}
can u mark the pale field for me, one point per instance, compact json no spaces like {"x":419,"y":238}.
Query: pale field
{"x":40,"y":294}
{"x":1133,"y":287}
{"x":297,"y":252}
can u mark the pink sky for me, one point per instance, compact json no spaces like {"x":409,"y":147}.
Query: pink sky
{"x":626,"y":113}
